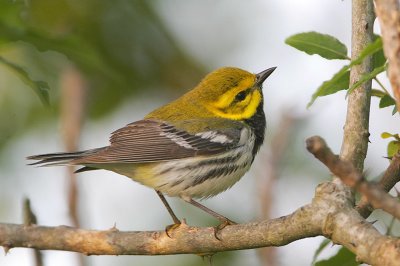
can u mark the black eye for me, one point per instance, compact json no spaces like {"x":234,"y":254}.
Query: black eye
{"x":241,"y":96}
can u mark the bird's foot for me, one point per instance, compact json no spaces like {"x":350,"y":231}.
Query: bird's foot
{"x":172,"y":227}
{"x":224,"y":223}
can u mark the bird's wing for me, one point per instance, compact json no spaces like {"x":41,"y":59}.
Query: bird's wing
{"x":151,"y":141}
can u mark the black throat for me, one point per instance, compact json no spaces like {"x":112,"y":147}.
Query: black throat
{"x":258,"y":124}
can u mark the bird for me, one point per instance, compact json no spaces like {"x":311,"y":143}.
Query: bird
{"x":194,"y":147}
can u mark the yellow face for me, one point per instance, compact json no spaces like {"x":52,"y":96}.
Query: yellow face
{"x":230,"y":93}
{"x":239,"y":102}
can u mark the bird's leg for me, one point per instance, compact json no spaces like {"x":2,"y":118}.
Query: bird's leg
{"x":169,"y":209}
{"x":224,"y":221}
{"x":177,"y":222}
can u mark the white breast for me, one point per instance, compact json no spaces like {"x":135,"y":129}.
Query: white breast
{"x":203,"y":177}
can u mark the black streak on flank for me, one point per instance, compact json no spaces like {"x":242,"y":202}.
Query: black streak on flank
{"x":216,"y":172}
{"x":258,"y":124}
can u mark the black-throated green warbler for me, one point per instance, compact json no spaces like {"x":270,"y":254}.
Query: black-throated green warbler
{"x":194,"y":147}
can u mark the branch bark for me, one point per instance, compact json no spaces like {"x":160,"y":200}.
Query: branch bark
{"x":390,"y":178}
{"x":355,"y":138}
{"x":331,"y":214}
{"x":388,"y":12}
{"x":350,"y":176}
{"x":184,"y":239}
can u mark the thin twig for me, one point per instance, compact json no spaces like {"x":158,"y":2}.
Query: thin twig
{"x":269,"y":173}
{"x":386,"y":182}
{"x":73,"y":88}
{"x":381,"y":85}
{"x":29,"y":220}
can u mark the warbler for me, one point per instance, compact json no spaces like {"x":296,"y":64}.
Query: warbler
{"x":193,"y":148}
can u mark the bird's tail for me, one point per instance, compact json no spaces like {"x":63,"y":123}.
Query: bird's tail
{"x":60,"y":158}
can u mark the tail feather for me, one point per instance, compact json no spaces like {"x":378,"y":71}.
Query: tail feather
{"x":60,"y":158}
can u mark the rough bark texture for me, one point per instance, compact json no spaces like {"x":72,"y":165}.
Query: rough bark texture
{"x":331,"y":214}
{"x":388,"y":12}
{"x":390,"y":178}
{"x":184,"y":239}
{"x":355,"y":138}
{"x":349,"y":175}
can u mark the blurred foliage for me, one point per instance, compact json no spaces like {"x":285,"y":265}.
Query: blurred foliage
{"x":343,"y":257}
{"x":120,"y":46}
{"x":394,"y":145}
{"x":325,"y":242}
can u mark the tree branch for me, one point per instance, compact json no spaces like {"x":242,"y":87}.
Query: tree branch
{"x":355,"y":137}
{"x":388,"y":12}
{"x":387,"y":182}
{"x":350,"y":176}
{"x":184,"y":239}
{"x":330,"y":214}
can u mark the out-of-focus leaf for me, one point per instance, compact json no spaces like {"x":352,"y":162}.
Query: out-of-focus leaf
{"x":366,"y":77}
{"x":343,"y":258}
{"x":392,"y":148}
{"x":75,"y":49}
{"x":121,"y":47}
{"x":379,"y":59}
{"x":40,"y":87}
{"x":386,"y":101}
{"x":321,"y":247}
{"x":386,"y":135}
{"x":340,"y":81}
{"x":324,"y":45}
{"x":377,"y":93}
{"x":10,"y":12}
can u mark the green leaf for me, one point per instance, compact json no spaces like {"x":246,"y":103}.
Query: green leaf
{"x":321,"y":247}
{"x":366,"y":77}
{"x":344,"y":257}
{"x":379,"y":59}
{"x":324,"y":45}
{"x":340,"y":81}
{"x":392,"y":148}
{"x":386,"y":101}
{"x":40,"y":87}
{"x":377,"y":93}
{"x":386,"y":135}
{"x":370,"y":49}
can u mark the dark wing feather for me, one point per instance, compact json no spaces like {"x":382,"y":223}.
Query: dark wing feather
{"x":151,"y":141}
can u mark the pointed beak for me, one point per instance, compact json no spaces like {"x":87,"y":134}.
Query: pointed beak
{"x":262,"y":76}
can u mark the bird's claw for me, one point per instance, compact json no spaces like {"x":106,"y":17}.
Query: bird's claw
{"x":170,"y":228}
{"x":224,"y":223}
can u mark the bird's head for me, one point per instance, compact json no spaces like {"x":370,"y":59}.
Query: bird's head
{"x":232,"y":93}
